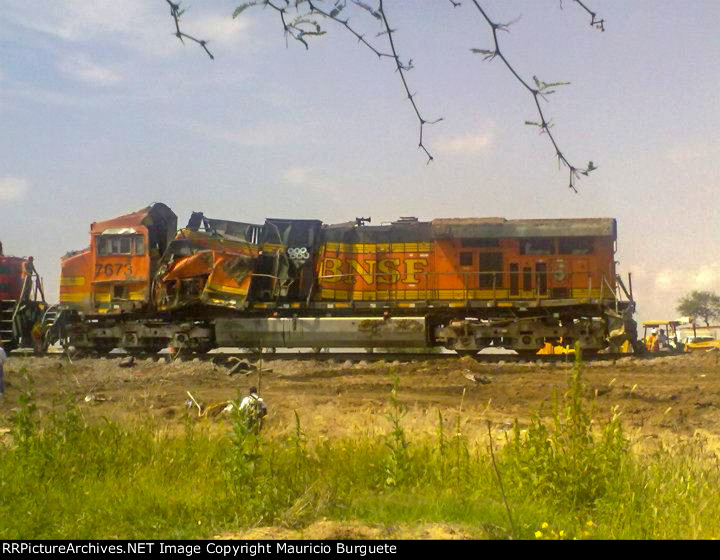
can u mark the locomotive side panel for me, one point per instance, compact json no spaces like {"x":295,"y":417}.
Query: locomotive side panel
{"x":76,"y":281}
{"x":11,"y":277}
{"x":375,"y":271}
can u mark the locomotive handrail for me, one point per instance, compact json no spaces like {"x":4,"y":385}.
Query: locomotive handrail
{"x":428,"y":279}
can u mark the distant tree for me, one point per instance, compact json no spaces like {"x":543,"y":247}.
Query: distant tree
{"x":305,"y":20}
{"x":705,"y":305}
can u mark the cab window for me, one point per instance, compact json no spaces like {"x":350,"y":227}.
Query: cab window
{"x":575,"y":245}
{"x":120,"y":245}
{"x":537,"y":246}
{"x":139,"y":245}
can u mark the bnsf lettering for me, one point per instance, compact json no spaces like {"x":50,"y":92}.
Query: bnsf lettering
{"x":385,"y":271}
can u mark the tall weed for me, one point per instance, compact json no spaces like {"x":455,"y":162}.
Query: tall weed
{"x":571,"y":461}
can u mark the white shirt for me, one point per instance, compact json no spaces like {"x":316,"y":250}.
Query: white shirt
{"x":249,"y":403}
{"x":3,"y":356}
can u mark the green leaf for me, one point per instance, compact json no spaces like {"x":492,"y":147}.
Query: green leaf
{"x":482,"y":51}
{"x":241,"y":8}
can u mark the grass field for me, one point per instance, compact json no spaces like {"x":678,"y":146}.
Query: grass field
{"x":569,"y":473}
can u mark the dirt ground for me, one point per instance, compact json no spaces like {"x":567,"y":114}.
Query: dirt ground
{"x":659,"y":399}
{"x":326,"y":529}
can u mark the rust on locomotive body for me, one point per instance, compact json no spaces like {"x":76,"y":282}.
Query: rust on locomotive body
{"x":460,"y":283}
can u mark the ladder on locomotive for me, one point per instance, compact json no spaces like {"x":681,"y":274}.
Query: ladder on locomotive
{"x":7,"y":311}
{"x":18,"y":316}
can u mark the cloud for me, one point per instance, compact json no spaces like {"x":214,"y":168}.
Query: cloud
{"x":12,"y":188}
{"x":310,"y":180}
{"x":707,"y":277}
{"x":666,"y":280}
{"x":703,"y":277}
{"x":81,"y":68}
{"x":142,"y":25}
{"x":297,"y":175}
{"x":465,"y":144}
{"x":692,"y":152}
{"x":219,"y":29}
{"x":250,"y":135}
{"x":77,"y":20}
{"x":658,"y":289}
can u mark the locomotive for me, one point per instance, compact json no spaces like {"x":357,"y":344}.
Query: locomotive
{"x":22,"y":302}
{"x":462,"y":284}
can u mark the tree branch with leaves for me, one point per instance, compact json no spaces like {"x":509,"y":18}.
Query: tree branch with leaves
{"x":700,"y":305}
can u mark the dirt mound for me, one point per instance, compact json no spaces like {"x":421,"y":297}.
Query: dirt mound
{"x":353,"y":530}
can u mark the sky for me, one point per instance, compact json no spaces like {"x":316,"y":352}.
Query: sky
{"x":103,"y":111}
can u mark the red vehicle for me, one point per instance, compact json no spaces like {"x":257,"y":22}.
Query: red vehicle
{"x":22,"y":302}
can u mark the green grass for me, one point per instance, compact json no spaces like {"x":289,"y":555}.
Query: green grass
{"x":574,"y":476}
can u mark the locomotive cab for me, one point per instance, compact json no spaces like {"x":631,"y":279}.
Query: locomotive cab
{"x":114,"y":274}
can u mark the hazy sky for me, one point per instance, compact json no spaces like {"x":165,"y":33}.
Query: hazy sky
{"x":103,"y":111}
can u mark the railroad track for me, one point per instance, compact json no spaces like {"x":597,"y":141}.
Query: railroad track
{"x":335,"y":357}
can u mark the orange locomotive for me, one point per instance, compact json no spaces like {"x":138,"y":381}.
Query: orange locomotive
{"x":464,"y":284}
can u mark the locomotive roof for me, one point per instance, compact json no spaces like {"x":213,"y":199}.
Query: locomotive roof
{"x":450,"y":228}
{"x":445,"y":228}
{"x":143,"y":217}
{"x":10,"y":258}
{"x":391,"y":233}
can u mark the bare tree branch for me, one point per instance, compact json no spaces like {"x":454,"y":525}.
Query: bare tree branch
{"x":401,"y":70}
{"x":176,"y":12}
{"x":305,"y":24}
{"x":597,"y":23}
{"x":539,"y":91}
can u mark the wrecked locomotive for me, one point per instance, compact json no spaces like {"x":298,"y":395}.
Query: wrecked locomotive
{"x":462,"y":284}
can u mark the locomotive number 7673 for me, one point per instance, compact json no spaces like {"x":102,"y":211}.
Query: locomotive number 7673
{"x":110,"y":270}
